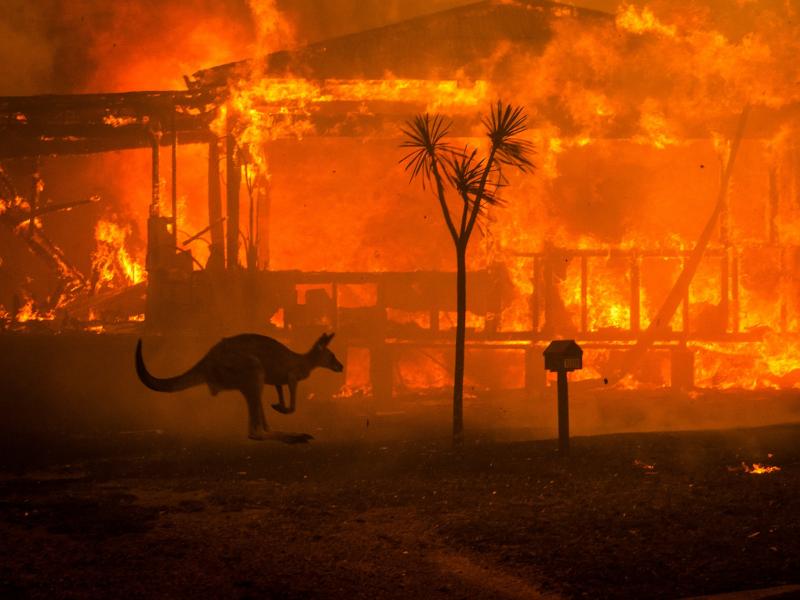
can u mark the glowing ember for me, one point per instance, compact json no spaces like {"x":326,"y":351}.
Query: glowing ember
{"x":28,"y":312}
{"x":759,"y":469}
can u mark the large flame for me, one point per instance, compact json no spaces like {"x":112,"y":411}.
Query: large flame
{"x":631,"y":118}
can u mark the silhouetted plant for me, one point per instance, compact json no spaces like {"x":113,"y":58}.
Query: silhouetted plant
{"x":476,"y":182}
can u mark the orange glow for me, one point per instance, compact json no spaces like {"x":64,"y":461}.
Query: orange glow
{"x":641,"y":20}
{"x":28,"y":312}
{"x":112,"y":263}
{"x":631,"y":117}
{"x":759,"y":469}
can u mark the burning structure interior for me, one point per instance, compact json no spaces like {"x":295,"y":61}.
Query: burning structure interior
{"x":660,"y":228}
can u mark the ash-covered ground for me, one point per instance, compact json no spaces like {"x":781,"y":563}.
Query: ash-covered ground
{"x":152,"y":514}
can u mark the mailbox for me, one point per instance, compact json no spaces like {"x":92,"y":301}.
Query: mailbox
{"x":563,"y":355}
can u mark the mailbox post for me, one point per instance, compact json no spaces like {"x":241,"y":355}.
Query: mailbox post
{"x":562,"y":356}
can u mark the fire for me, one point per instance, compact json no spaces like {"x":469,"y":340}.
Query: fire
{"x":630,"y":118}
{"x":28,"y":312}
{"x":642,"y":20}
{"x":759,"y":469}
{"x":112,"y":263}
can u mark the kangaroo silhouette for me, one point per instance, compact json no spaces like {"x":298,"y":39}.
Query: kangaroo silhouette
{"x":246,"y":362}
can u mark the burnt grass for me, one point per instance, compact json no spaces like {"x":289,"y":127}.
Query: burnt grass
{"x":153,"y":515}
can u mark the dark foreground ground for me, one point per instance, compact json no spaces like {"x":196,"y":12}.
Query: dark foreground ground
{"x":144,"y":514}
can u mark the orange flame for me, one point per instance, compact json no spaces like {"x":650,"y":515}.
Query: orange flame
{"x":112,"y":263}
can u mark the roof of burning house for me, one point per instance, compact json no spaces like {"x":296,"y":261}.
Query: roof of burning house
{"x":445,"y":44}
{"x":434,"y":46}
{"x":82,"y":123}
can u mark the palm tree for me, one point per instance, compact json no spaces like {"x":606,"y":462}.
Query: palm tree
{"x":475,"y":181}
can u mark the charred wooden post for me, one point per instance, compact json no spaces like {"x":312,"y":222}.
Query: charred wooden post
{"x":216,"y":221}
{"x":547,"y":276}
{"x":563,"y":356}
{"x":535,"y":297}
{"x":685,"y":310}
{"x":234,"y":177}
{"x":584,"y":294}
{"x":724,"y":292}
{"x":735,"y":291}
{"x":263,"y":215}
{"x":155,"y":193}
{"x":174,"y":181}
{"x":636,"y":293}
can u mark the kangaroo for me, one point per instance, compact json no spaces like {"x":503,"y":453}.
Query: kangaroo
{"x":246,"y":362}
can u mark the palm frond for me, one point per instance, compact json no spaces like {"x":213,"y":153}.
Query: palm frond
{"x":503,"y":126}
{"x":424,"y":136}
{"x":466,"y":172}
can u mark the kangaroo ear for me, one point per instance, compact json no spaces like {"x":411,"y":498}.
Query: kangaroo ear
{"x":324,"y":340}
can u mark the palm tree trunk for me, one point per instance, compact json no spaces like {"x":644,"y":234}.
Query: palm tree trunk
{"x":461,"y":322}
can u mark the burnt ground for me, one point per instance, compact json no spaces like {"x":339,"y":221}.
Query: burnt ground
{"x":147,"y":514}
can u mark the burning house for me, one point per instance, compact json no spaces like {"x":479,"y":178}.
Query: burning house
{"x":659,"y":229}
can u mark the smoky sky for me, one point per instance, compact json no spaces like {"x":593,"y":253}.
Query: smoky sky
{"x":73,"y":46}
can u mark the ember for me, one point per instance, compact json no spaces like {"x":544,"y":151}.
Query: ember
{"x":759,"y":469}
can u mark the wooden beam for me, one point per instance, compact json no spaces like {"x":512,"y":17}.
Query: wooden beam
{"x":234,"y":179}
{"x":215,"y":219}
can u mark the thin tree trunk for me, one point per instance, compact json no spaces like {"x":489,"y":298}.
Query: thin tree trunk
{"x":461,"y":321}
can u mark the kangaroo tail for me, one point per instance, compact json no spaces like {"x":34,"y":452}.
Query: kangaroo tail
{"x":190,"y":378}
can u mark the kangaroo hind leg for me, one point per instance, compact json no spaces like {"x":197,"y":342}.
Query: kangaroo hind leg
{"x":251,"y":385}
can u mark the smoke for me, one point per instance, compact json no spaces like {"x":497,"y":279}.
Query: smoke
{"x":28,"y":56}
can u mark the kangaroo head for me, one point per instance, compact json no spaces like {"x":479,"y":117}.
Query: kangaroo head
{"x":322,"y":357}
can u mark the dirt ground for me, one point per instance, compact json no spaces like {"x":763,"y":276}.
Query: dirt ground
{"x":148,"y":514}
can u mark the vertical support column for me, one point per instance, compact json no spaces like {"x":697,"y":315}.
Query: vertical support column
{"x":155,"y":236}
{"x":724,"y":292}
{"x":685,"y":307}
{"x":547,"y":284}
{"x":234,"y":176}
{"x":263,"y":214}
{"x":725,"y":213}
{"x":155,"y":192}
{"x":36,"y":189}
{"x":536,"y":296}
{"x":584,"y":294}
{"x":636,"y":293}
{"x":174,"y":180}
{"x":215,"y":221}
{"x":563,"y":413}
{"x":735,"y":291}
{"x":157,"y":299}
